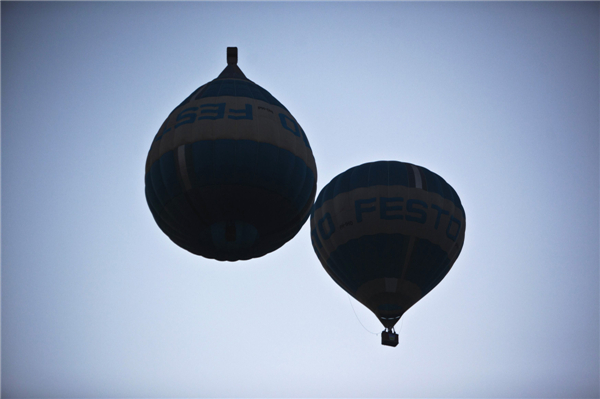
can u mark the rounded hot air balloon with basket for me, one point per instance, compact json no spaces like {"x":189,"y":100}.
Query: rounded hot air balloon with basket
{"x":388,"y":232}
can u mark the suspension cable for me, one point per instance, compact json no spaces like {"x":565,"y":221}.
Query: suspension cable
{"x":371,"y":332}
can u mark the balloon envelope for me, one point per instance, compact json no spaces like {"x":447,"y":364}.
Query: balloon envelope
{"x":230,"y":174}
{"x":387,"y":232}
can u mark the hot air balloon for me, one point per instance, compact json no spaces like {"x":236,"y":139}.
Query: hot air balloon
{"x":387,"y":232}
{"x":230,"y":174}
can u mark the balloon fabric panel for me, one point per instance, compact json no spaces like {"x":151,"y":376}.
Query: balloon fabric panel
{"x":262,"y":180}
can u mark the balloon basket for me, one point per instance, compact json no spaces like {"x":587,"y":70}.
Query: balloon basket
{"x":389,"y":338}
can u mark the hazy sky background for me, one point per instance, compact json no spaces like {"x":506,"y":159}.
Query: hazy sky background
{"x":500,"y":99}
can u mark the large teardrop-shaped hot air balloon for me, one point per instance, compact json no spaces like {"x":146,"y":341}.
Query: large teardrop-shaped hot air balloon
{"x":230,"y":174}
{"x":388,"y":232}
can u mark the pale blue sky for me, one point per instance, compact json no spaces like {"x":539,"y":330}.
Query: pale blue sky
{"x":500,"y":99}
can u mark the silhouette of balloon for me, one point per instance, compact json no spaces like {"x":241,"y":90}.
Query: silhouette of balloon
{"x":230,"y":174}
{"x":387,"y":232}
